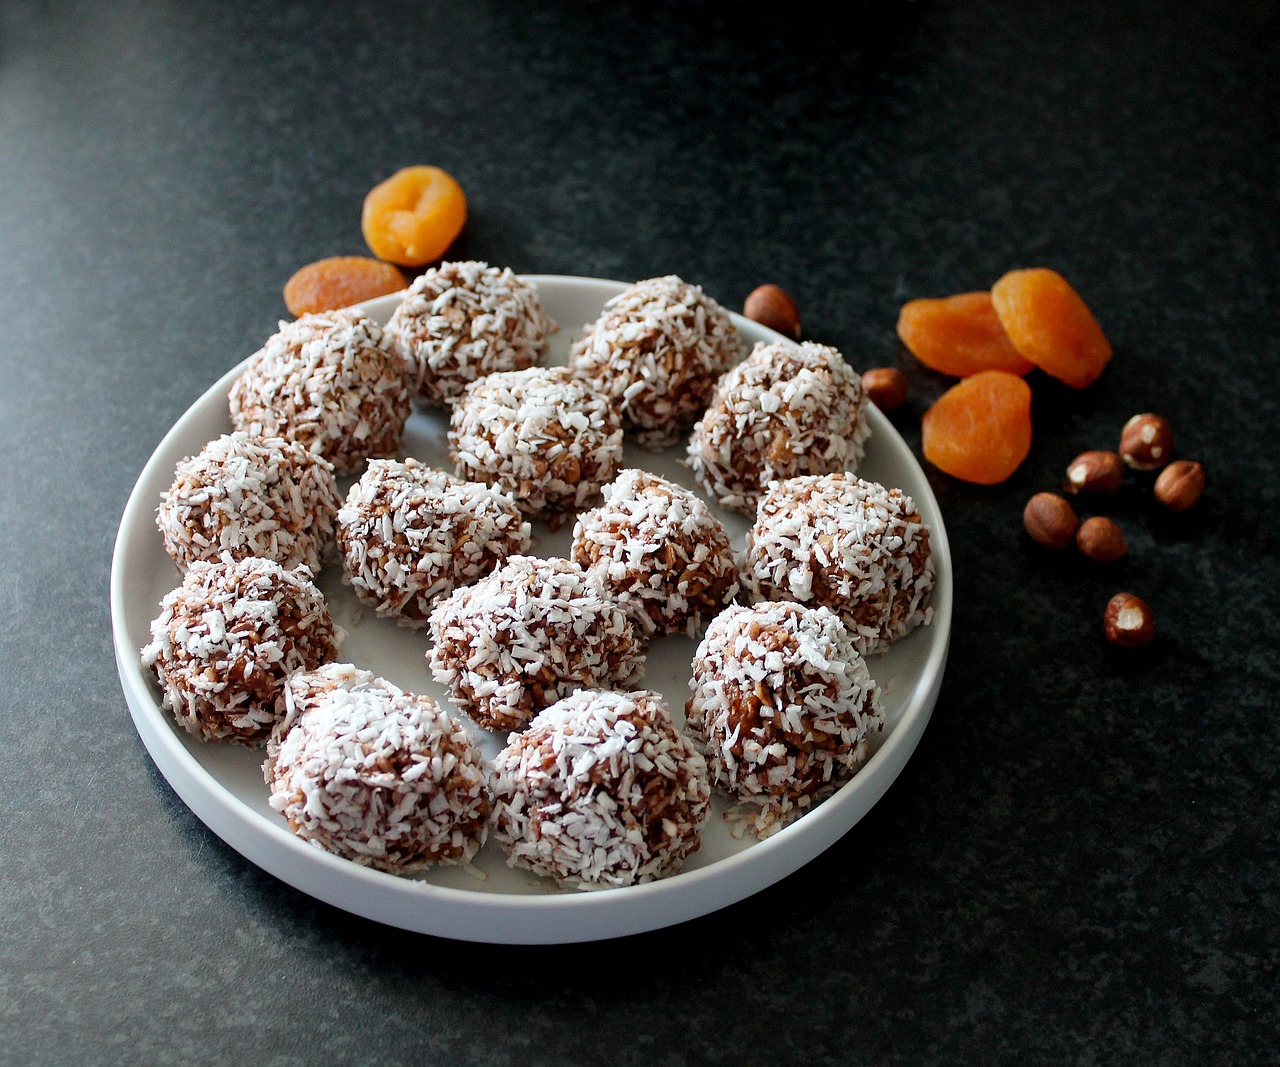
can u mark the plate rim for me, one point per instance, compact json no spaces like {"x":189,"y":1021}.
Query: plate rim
{"x":503,"y":917}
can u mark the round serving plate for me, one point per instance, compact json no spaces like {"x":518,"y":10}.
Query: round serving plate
{"x":223,"y":784}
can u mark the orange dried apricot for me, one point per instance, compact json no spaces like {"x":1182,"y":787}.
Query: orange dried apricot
{"x":1050,"y":325}
{"x":413,"y":217}
{"x":959,"y":335}
{"x":979,"y":430}
{"x":339,"y":282}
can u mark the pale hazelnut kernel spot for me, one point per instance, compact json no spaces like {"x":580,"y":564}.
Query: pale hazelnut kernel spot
{"x":1128,"y":621}
{"x":1049,"y":520}
{"x":1180,"y":485}
{"x":1146,"y":442}
{"x":1101,"y":540}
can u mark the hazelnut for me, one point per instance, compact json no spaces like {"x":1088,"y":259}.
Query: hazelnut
{"x":1050,"y":520}
{"x":1100,"y":540}
{"x":1128,"y":621}
{"x":772,"y":306}
{"x":1096,"y":472}
{"x":1180,"y":485}
{"x":1146,"y":442}
{"x":886,"y":387}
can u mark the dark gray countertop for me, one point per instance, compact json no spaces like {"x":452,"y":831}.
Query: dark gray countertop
{"x":1080,"y":863}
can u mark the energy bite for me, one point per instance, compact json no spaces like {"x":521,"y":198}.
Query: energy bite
{"x":528,"y":634}
{"x":659,"y":552}
{"x":786,"y":410}
{"x":548,"y":438}
{"x":384,"y":778}
{"x":602,"y":790}
{"x":850,"y":545}
{"x":327,"y":382}
{"x":782,"y":706}
{"x":228,"y":638}
{"x":250,"y":496}
{"x":461,"y":321}
{"x":410,"y":534}
{"x":656,"y":351}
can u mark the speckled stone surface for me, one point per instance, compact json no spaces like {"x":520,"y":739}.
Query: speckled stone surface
{"x":1080,"y":863}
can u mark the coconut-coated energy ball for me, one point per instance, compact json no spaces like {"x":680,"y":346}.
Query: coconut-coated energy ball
{"x":384,"y":778}
{"x":410,"y":534}
{"x":788,"y":409}
{"x":659,"y":551}
{"x":460,"y":321}
{"x":251,"y":496}
{"x":656,"y":351}
{"x":528,"y":634}
{"x":847,"y":544}
{"x":227,"y":639}
{"x":602,"y":790}
{"x":782,"y":706}
{"x":548,"y":438}
{"x":328,"y":382}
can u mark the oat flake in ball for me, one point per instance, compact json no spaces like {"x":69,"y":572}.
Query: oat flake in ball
{"x":410,"y":534}
{"x":250,"y":496}
{"x":227,"y":639}
{"x":786,"y":410}
{"x":847,"y":544}
{"x":602,"y":790}
{"x":385,"y":778}
{"x":656,"y":351}
{"x":659,"y":551}
{"x":782,"y":706}
{"x":328,"y":382}
{"x":543,"y":435}
{"x":530,"y":633}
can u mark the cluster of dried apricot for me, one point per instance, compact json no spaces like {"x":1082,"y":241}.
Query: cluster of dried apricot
{"x":409,"y":220}
{"x":980,"y":429}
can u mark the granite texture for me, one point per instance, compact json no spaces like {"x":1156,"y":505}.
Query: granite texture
{"x":1080,"y":863}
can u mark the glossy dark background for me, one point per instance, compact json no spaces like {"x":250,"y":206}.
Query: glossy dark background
{"x":1080,"y":864}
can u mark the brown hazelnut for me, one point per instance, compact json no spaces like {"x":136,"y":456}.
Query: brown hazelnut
{"x":1050,"y":520}
{"x":886,"y":387}
{"x":1096,"y":472}
{"x":1180,"y":485}
{"x":1100,"y":540}
{"x":1146,"y":442}
{"x":772,"y":306}
{"x":1128,"y":621}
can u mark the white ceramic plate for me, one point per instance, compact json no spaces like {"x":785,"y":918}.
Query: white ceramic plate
{"x":223,"y":784}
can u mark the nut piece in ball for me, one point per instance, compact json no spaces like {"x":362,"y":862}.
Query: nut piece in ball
{"x":544,"y":436}
{"x":327,"y":382}
{"x":602,"y":790}
{"x":461,"y":321}
{"x":227,"y":639}
{"x":530,"y":633}
{"x":783,"y":707}
{"x":786,"y":410}
{"x":656,"y":351}
{"x":250,"y":496}
{"x":659,"y":551}
{"x":381,"y":777}
{"x":850,"y":545}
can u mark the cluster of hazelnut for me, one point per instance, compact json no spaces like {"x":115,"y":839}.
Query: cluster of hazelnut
{"x":1146,"y":445}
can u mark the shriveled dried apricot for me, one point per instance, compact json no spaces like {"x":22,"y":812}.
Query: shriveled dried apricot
{"x":339,"y":282}
{"x":413,"y":217}
{"x":959,"y":335}
{"x":1050,"y":325}
{"x":979,"y":430}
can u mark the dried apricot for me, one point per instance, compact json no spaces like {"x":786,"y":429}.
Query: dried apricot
{"x":413,"y":217}
{"x":1050,"y":325}
{"x":959,"y":335}
{"x":339,"y":282}
{"x":979,"y":430}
